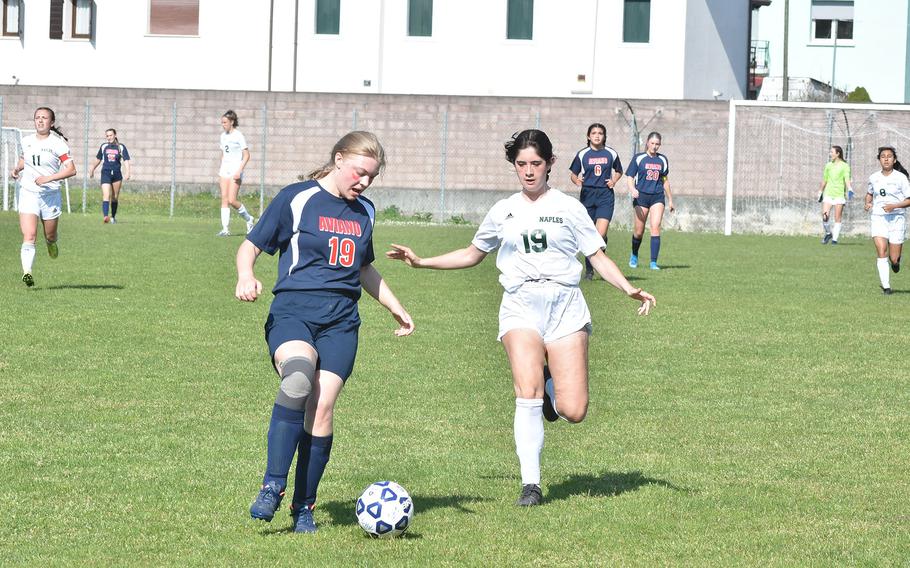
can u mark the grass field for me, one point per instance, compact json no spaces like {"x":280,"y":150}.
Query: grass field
{"x":757,"y":417}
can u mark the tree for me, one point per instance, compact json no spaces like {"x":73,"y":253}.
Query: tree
{"x":858,"y":95}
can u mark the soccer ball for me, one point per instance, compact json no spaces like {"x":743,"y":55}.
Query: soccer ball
{"x":384,"y":509}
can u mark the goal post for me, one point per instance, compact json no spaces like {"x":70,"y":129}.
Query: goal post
{"x":777,"y":151}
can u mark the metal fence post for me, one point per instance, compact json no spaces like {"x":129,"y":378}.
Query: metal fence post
{"x":442,"y":170}
{"x":537,"y":121}
{"x":3,"y":156}
{"x":173,"y":156}
{"x":88,"y":114}
{"x":354,"y":120}
{"x":263,"y":153}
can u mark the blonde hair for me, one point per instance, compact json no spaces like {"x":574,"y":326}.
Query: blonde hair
{"x":357,"y":142}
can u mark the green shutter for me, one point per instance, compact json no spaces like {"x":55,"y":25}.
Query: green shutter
{"x":636,"y":21}
{"x":420,"y":18}
{"x":520,"y":19}
{"x":328,"y":16}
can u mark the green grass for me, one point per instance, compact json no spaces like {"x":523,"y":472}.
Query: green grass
{"x":757,"y":417}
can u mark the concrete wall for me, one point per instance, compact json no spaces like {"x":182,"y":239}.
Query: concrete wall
{"x":716,"y":50}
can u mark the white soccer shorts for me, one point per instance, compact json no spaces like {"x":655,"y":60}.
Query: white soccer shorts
{"x":228,"y":170}
{"x":834,"y":200}
{"x":46,"y":205}
{"x":553,"y":310}
{"x":892,"y":226}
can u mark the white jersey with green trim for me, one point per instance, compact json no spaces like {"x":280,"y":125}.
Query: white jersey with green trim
{"x":886,"y":189}
{"x":42,"y":157}
{"x":538,"y":240}
{"x":233,"y":144}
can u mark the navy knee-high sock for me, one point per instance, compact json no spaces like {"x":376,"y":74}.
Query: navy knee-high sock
{"x":655,"y":248}
{"x":285,"y":430}
{"x":105,"y":207}
{"x":636,"y":244}
{"x":114,"y":208}
{"x":312,"y":457}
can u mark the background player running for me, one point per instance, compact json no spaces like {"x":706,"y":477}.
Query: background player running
{"x":596,"y":168}
{"x":113,"y":155}
{"x":887,"y":195}
{"x":323,"y":230}
{"x":650,"y":191}
{"x":44,"y":160}
{"x":543,"y":318}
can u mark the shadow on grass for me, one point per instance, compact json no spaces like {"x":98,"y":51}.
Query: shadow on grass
{"x":86,"y":287}
{"x":341,"y":513}
{"x":607,"y":484}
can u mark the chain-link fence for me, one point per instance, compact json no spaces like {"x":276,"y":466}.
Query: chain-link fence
{"x":445,"y":154}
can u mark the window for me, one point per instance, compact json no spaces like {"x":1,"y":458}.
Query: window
{"x":830,"y":19}
{"x":520,"y":19}
{"x":81,"y":19}
{"x":420,"y":18}
{"x":12,"y":15}
{"x":328,"y":16}
{"x":174,"y":17}
{"x":636,"y":21}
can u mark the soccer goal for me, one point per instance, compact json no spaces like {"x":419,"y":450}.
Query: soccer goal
{"x":10,"y":144}
{"x":777,"y":151}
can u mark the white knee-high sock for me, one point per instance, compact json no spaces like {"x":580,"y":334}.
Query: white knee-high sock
{"x":244,"y":213}
{"x":884,"y":274}
{"x":836,"y":232}
{"x":225,"y":217}
{"x":826,"y":226}
{"x":27,"y":255}
{"x":529,"y":437}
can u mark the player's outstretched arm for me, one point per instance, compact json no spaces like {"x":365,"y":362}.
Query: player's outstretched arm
{"x":461,"y":258}
{"x":376,"y":286}
{"x":248,"y":288}
{"x":611,"y":273}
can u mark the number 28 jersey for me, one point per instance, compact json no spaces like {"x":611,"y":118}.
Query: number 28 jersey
{"x":538,"y":240}
{"x":323,"y":240}
{"x":892,"y":188}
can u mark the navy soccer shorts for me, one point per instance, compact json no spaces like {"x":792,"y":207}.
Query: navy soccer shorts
{"x":647,"y":200}
{"x":110,"y":176}
{"x":328,"y":322}
{"x":599,"y":202}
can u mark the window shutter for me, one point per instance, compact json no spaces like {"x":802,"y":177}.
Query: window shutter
{"x":56,"y":19}
{"x":94,"y":23}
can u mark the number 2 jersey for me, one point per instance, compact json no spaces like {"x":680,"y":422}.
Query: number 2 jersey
{"x":42,"y":158}
{"x":539,"y":240}
{"x":323,"y":240}
{"x":884,"y":189}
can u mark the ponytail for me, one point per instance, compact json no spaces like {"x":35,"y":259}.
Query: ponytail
{"x":900,"y":168}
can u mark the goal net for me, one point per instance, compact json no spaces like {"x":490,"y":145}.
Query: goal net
{"x":10,"y":144}
{"x":777,"y":152}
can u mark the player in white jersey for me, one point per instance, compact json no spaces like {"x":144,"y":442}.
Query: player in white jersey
{"x":887,"y":195}
{"x":234,"y":156}
{"x":544,"y":321}
{"x":44,"y":160}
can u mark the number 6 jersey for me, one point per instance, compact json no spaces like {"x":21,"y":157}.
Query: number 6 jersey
{"x":323,"y":239}
{"x":538,"y":240}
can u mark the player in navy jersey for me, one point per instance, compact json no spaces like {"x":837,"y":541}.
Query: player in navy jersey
{"x":44,"y":161}
{"x":650,"y":191}
{"x":596,"y":168}
{"x":544,"y":322}
{"x":323,"y":232}
{"x":115,"y":170}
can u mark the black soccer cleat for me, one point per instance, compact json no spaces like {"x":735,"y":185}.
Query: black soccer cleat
{"x":530,"y":495}
{"x":896,"y":266}
{"x":886,"y":291}
{"x":549,"y":400}
{"x":827,"y":238}
{"x":28,"y":279}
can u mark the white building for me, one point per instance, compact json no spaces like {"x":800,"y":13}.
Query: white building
{"x":862,"y":43}
{"x":655,"y":49}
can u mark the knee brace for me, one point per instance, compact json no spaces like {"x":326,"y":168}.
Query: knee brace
{"x":298,"y":375}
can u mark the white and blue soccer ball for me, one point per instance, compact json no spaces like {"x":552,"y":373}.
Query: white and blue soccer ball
{"x":384,"y":509}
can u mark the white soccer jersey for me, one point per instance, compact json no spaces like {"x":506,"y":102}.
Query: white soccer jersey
{"x":892,"y":188}
{"x":42,"y":158}
{"x":232,"y":146}
{"x":538,"y":240}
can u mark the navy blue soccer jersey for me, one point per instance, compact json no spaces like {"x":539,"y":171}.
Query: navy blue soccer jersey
{"x":111,"y":155}
{"x":323,"y":240}
{"x":649,"y":172}
{"x":595,"y":167}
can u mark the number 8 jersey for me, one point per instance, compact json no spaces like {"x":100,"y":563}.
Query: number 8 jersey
{"x":538,"y":240}
{"x":884,"y":189}
{"x":323,"y":239}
